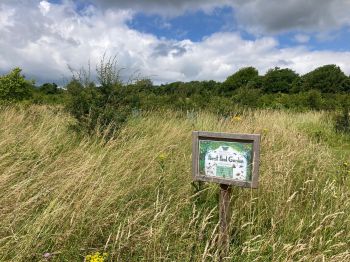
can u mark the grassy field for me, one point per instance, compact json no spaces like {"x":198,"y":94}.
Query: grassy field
{"x":133,"y":197}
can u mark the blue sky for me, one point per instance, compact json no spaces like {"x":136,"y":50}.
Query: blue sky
{"x":193,"y":25}
{"x":169,"y":41}
{"x":196,"y":25}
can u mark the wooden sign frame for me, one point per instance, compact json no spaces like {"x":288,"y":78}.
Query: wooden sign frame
{"x":254,"y":139}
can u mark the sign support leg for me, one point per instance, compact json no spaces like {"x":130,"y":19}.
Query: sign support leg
{"x":224,"y":216}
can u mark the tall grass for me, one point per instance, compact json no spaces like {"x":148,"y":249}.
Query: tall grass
{"x":133,"y":196}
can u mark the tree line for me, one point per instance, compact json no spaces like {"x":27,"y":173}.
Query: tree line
{"x":328,"y":79}
{"x":110,"y":100}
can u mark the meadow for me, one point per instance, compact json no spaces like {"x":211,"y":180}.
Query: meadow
{"x":66,"y":195}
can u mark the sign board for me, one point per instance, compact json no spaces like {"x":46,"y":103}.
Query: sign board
{"x":231,"y":159}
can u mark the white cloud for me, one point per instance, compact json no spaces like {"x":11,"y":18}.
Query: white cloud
{"x":256,"y":16}
{"x":43,"y":43}
{"x":261,"y":16}
{"x":5,"y":17}
{"x":302,"y":38}
{"x":44,"y":7}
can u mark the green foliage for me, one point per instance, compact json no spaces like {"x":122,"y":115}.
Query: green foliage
{"x":279,"y":80}
{"x":104,"y":107}
{"x":327,"y":79}
{"x":110,"y":100}
{"x":342,"y":121}
{"x":142,"y":85}
{"x":48,"y":93}
{"x":314,"y":99}
{"x":50,"y":89}
{"x":14,"y":86}
{"x":245,"y":77}
{"x":247,"y":96}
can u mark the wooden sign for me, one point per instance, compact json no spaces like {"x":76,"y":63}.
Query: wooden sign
{"x":224,"y":158}
{"x":227,"y":159}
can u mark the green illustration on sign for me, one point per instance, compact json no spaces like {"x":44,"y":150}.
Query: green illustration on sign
{"x":228,"y":160}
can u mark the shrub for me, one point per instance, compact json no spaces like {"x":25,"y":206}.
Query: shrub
{"x":314,"y":99}
{"x":103,"y":108}
{"x":50,"y":89}
{"x":14,"y":86}
{"x":342,"y":121}
{"x":247,"y":96}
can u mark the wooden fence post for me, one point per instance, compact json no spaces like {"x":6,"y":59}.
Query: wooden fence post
{"x":224,"y":216}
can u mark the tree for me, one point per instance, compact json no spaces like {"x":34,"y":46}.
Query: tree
{"x":14,"y":86}
{"x":327,"y":79}
{"x":244,"y":77}
{"x":279,"y":80}
{"x":144,"y":84}
{"x":49,"y":89}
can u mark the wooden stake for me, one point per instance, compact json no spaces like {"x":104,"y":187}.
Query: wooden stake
{"x":225,"y":215}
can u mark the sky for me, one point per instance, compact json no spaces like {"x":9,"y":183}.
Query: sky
{"x":168,"y":40}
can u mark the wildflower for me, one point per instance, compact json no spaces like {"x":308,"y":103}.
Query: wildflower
{"x":236,"y":118}
{"x":162,"y":157}
{"x":47,"y":255}
{"x":97,"y":257}
{"x":161,"y":160}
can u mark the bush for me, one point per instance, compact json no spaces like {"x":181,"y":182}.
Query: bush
{"x":247,"y":96}
{"x":103,"y":108}
{"x":50,"y":89}
{"x":314,"y":99}
{"x":342,"y":121}
{"x":14,"y":86}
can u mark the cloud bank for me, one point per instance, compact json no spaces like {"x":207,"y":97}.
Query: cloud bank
{"x":306,"y":15}
{"x":258,"y":16}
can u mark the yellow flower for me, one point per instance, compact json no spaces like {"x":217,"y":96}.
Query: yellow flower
{"x":97,"y":257}
{"x":236,"y":118}
{"x":162,"y":156}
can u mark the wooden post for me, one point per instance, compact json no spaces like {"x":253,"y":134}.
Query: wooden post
{"x":224,"y":216}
